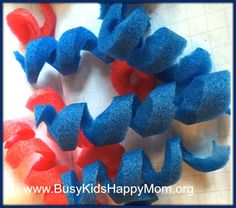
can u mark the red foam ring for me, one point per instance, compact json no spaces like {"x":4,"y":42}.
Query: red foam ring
{"x":55,"y":199}
{"x":48,"y":28}
{"x":126,"y":79}
{"x":24,"y":148}
{"x":12,"y":128}
{"x":47,"y":177}
{"x":12,"y":140}
{"x":110,"y":155}
{"x":45,"y":96}
{"x":83,"y":141}
{"x":24,"y":25}
{"x":26,"y":28}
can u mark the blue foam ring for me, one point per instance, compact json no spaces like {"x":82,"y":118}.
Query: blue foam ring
{"x":135,"y":170}
{"x":205,"y":98}
{"x":147,"y":119}
{"x":63,"y":55}
{"x":195,"y":64}
{"x":157,"y":111}
{"x":118,"y":36}
{"x":218,"y":158}
{"x":158,"y":52}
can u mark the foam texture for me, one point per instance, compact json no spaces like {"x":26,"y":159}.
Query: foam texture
{"x":205,"y":98}
{"x":158,"y":52}
{"x":45,"y":96}
{"x":104,"y":7}
{"x":218,"y":158}
{"x":111,"y":125}
{"x":196,"y":64}
{"x":26,"y":28}
{"x":13,"y":128}
{"x":21,"y":143}
{"x":196,"y":104}
{"x":63,"y":55}
{"x":118,"y":36}
{"x":156,"y":112}
{"x":135,"y":170}
{"x":123,"y":38}
{"x":110,"y":155}
{"x":24,"y":148}
{"x":126,"y":79}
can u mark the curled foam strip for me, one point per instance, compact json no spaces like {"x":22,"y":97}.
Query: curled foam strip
{"x":20,"y":143}
{"x":26,"y":28}
{"x":63,"y":55}
{"x":135,"y":170}
{"x":205,"y":98}
{"x":111,"y":125}
{"x":16,"y":128}
{"x":218,"y":158}
{"x":45,"y":96}
{"x":196,"y":64}
{"x":118,"y":36}
{"x":196,"y":104}
{"x":159,"y":51}
{"x":22,"y":149}
{"x":122,"y":38}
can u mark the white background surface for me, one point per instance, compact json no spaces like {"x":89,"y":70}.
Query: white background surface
{"x":204,"y":25}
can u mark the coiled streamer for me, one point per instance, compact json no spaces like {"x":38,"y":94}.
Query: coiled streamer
{"x":63,"y":55}
{"x":123,"y":38}
{"x":137,"y":170}
{"x":196,"y":104}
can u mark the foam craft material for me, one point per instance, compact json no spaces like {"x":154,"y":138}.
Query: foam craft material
{"x":202,"y":97}
{"x":122,"y":38}
{"x":196,"y":64}
{"x":118,"y":36}
{"x":26,"y":28}
{"x":20,"y":144}
{"x":218,"y":158}
{"x":158,"y":52}
{"x":45,"y":96}
{"x":13,"y":128}
{"x":111,"y":125}
{"x":23,"y":149}
{"x":196,"y":104}
{"x":135,"y":169}
{"x":110,"y":155}
{"x":104,"y":7}
{"x":63,"y":55}
{"x":126,"y":79}
{"x":205,"y":98}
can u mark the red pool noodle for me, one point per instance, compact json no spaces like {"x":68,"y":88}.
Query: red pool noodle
{"x":21,"y":129}
{"x":24,"y":148}
{"x":26,"y":28}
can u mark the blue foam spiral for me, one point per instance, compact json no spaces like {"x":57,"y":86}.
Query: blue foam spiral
{"x":63,"y":55}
